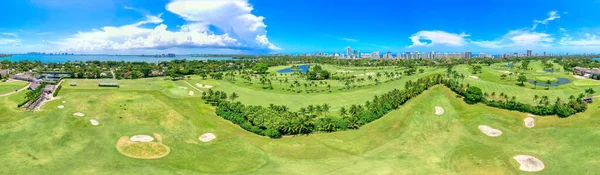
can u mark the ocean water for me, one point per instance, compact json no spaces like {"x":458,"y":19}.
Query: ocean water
{"x":597,"y":59}
{"x":129,"y":58}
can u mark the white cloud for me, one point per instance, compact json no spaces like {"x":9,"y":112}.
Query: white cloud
{"x":348,"y":39}
{"x":587,"y":40}
{"x":518,"y":38}
{"x":10,"y":34}
{"x":232,"y":16}
{"x":552,"y":15}
{"x":241,"y":30}
{"x":437,"y":38}
{"x":4,"y":41}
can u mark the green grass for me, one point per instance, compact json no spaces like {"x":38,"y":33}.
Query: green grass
{"x":295,"y":101}
{"x":7,"y":87}
{"x":411,"y":140}
{"x":490,"y":81}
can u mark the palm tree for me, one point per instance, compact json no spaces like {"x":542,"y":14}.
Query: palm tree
{"x":535,"y":84}
{"x":535,"y":98}
{"x":343,"y":111}
{"x":548,"y":82}
{"x":325,"y":108}
{"x":233,"y":96}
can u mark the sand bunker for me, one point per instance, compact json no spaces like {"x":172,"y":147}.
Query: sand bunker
{"x":439,"y":110}
{"x":79,"y":114}
{"x":63,"y":101}
{"x":474,"y":77}
{"x":529,"y":122}
{"x":143,"y":150}
{"x":61,"y":107}
{"x":529,"y":163}
{"x":367,"y":74}
{"x":506,"y":72}
{"x":530,"y":115}
{"x":94,"y":122}
{"x":181,"y":87}
{"x":204,"y":86}
{"x":207,"y":137}
{"x":191,"y":93}
{"x":141,"y":138}
{"x":492,"y":132}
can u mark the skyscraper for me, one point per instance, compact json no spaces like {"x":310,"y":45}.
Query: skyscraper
{"x":348,"y":51}
{"x":529,"y":53}
{"x":408,"y":55}
{"x":468,"y":54}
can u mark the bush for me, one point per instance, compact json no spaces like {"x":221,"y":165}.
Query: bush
{"x":473,"y":95}
{"x":273,"y":133}
{"x":56,"y":91}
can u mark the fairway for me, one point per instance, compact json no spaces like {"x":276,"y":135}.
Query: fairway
{"x":8,"y":87}
{"x":411,"y":140}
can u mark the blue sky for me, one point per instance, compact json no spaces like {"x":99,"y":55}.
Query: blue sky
{"x":298,"y":26}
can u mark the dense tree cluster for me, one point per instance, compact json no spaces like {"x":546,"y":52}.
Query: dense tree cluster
{"x":317,"y":73}
{"x":560,"y":107}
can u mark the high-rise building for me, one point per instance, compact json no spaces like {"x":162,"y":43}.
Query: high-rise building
{"x":408,"y":55}
{"x":544,"y":53}
{"x":348,"y":51}
{"x":468,"y":54}
{"x":529,"y":53}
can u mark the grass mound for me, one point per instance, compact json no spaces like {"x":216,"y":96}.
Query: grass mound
{"x":143,"y":150}
{"x":544,"y":79}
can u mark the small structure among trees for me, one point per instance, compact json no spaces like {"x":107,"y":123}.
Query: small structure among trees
{"x":109,"y":84}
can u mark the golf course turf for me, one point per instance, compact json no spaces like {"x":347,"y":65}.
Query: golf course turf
{"x":410,"y":140}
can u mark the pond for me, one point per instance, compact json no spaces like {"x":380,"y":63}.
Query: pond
{"x":561,"y":81}
{"x":549,"y":71}
{"x":301,"y":68}
{"x":509,"y":65}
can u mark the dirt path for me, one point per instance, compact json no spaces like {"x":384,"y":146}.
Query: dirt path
{"x":193,"y":86}
{"x":22,"y":89}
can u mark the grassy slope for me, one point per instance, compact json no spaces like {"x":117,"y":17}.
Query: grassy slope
{"x":296,"y":101}
{"x":411,"y":140}
{"x":7,"y":87}
{"x":489,"y":81}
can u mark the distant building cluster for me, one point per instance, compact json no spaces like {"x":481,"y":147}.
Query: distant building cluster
{"x":349,"y":53}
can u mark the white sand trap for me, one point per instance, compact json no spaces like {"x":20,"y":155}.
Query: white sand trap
{"x":506,"y":72}
{"x":61,"y":107}
{"x":207,"y":137}
{"x":141,"y":138}
{"x":439,"y":110}
{"x":530,"y":115}
{"x":492,"y":132}
{"x":474,"y":77}
{"x":367,"y":74}
{"x":94,"y":122}
{"x":79,"y":114}
{"x":191,"y":93}
{"x":204,"y":86}
{"x":181,"y":87}
{"x":529,"y":163}
{"x":64,"y":101}
{"x":529,"y":122}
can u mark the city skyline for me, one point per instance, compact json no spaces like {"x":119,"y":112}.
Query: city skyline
{"x":268,"y":27}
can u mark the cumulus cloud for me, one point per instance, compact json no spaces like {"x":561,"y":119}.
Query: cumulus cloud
{"x":241,"y":29}
{"x":517,"y":38}
{"x":437,"y":38}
